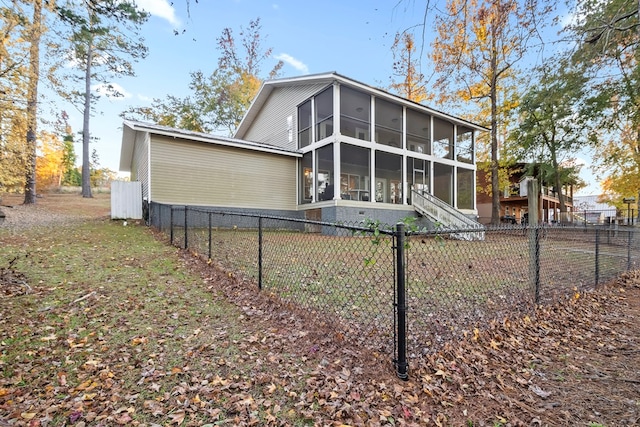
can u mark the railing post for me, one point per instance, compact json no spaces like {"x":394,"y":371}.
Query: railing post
{"x":186,"y":245}
{"x":210,"y":235}
{"x":260,"y":253}
{"x":171,"y":225}
{"x":597,"y":257}
{"x":401,"y":305}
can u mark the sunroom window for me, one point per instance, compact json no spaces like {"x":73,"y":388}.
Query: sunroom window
{"x":442,"y":139}
{"x":418,"y":132}
{"x":304,"y":124}
{"x":388,"y":178}
{"x":465,"y":179}
{"x":388,"y":123}
{"x":306,"y":178}
{"x":324,"y":114}
{"x":355,"y":175}
{"x":324,"y":173}
{"x":443,"y":182}
{"x":355,"y":113}
{"x":464,"y":144}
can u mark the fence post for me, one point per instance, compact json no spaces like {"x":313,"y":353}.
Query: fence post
{"x":186,"y":245}
{"x":533,"y":195}
{"x":171,"y":225}
{"x":536,"y":263}
{"x":597,"y":270}
{"x":260,"y":253}
{"x":401,"y":305}
{"x":629,"y":250}
{"x":209,"y":235}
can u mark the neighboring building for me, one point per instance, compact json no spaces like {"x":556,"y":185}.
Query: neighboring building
{"x":319,"y":146}
{"x":514,"y":201}
{"x":595,"y":212}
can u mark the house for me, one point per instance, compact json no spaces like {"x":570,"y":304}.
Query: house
{"x":321,"y":147}
{"x":514,"y":200}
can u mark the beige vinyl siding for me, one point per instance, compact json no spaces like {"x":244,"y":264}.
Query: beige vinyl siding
{"x":140,"y":167}
{"x":196,"y":173}
{"x":270,"y":126}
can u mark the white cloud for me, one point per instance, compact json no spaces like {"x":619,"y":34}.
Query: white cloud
{"x":144,"y":98}
{"x":160,"y":8}
{"x":111,"y":90}
{"x":297,"y":64}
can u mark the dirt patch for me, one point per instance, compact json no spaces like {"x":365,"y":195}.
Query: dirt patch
{"x":52,"y":210}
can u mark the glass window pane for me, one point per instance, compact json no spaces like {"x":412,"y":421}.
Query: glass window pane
{"x":443,"y":182}
{"x":304,"y":124}
{"x":388,"y":123}
{"x":418,"y":133}
{"x":324,"y":114}
{"x":464,"y":144}
{"x":355,"y":175}
{"x":355,"y":113}
{"x":442,"y":139}
{"x":465,"y":188}
{"x":324,"y":175}
{"x":388,"y":178}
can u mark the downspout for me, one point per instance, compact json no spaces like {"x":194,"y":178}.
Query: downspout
{"x":148,"y":141}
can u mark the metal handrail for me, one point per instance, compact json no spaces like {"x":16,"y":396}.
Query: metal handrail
{"x":442,"y":212}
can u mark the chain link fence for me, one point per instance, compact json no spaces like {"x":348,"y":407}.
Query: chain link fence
{"x":399,"y":290}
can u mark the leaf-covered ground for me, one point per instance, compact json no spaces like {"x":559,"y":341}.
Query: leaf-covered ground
{"x":105,"y":324}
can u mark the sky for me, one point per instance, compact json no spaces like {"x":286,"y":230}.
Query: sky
{"x":353,"y":38}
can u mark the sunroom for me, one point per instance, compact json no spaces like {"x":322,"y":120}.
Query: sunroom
{"x":370,"y":147}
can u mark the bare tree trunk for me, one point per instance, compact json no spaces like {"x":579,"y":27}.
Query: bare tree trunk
{"x":86,"y":135}
{"x":32,"y":103}
{"x":495,"y":182}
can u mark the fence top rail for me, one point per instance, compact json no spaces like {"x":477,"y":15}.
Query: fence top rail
{"x":387,"y":229}
{"x":382,"y":228}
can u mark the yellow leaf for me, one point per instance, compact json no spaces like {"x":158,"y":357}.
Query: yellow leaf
{"x":89,"y":396}
{"x":138,"y":341}
{"x":494,"y":344}
{"x":197,"y":401}
{"x":28,"y":415}
{"x":85,"y":385}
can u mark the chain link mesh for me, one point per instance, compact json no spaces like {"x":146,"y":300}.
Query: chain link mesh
{"x":344,"y":275}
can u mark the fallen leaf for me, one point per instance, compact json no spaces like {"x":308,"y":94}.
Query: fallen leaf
{"x":177,"y":417}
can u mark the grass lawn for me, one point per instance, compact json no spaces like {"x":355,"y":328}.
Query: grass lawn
{"x":107,"y":325}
